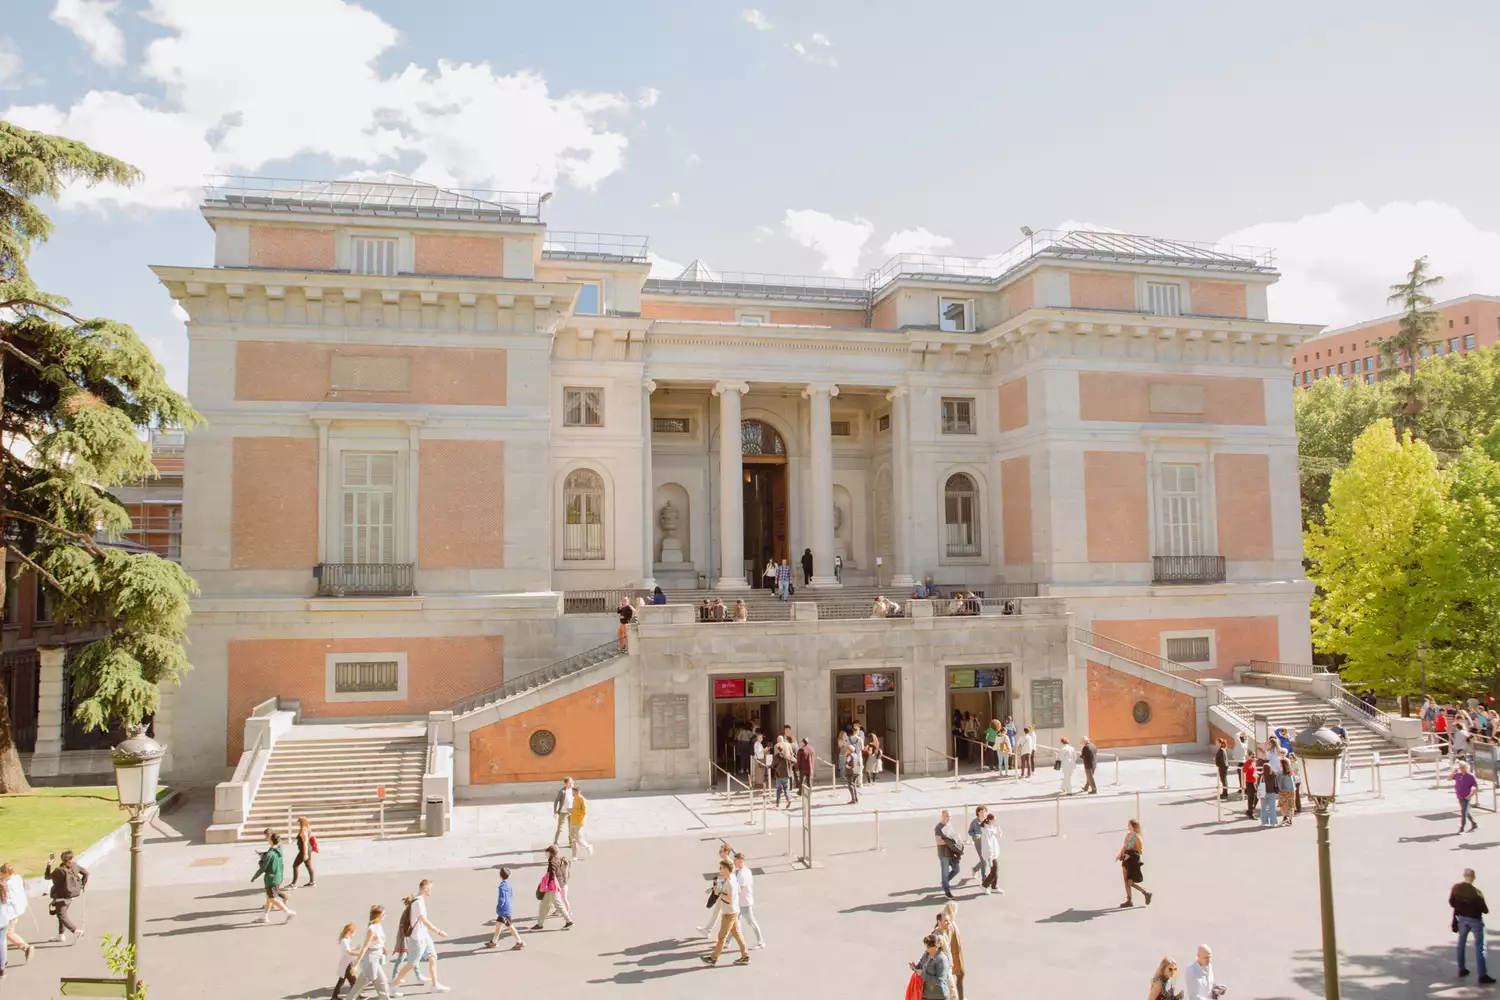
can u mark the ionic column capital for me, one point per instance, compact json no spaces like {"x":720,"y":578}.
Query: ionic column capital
{"x":648,"y":386}
{"x":722,"y":387}
{"x":819,"y":388}
{"x":897,"y":392}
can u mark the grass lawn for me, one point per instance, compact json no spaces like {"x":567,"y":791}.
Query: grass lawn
{"x":49,"y":820}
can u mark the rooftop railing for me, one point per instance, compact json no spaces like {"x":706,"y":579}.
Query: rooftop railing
{"x":402,"y":197}
{"x":563,"y":245}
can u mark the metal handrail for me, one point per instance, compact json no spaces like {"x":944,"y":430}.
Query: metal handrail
{"x":599,"y":602}
{"x":371,"y":196}
{"x":1133,"y":653}
{"x":567,"y":244}
{"x":897,"y":764}
{"x":1376,"y":718}
{"x":1287,"y":669}
{"x":927,"y":753}
{"x":1235,"y":708}
{"x":1187,"y":569}
{"x":546,"y":675}
{"x":994,"y":749}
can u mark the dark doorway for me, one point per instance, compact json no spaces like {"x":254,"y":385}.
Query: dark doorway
{"x":765,"y":499}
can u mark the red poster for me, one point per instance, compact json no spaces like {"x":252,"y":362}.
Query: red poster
{"x":729,"y":687}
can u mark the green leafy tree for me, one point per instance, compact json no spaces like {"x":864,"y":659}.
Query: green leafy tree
{"x":77,"y":393}
{"x":1388,"y":518}
{"x":1329,"y":417}
{"x":1418,"y":328}
{"x":1463,"y":399}
{"x":1466,"y":644}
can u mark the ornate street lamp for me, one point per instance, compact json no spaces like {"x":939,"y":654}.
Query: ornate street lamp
{"x":1319,"y":749}
{"x":137,"y":767}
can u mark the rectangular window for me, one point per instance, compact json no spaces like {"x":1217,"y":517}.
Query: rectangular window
{"x":1450,"y":324}
{"x":366,"y":677}
{"x":1343,"y":368}
{"x":841,"y":428}
{"x":1341,"y":348}
{"x":1369,"y":380}
{"x":1296,"y":378}
{"x":1369,"y":364}
{"x":1181,"y":511}
{"x":1426,"y":350}
{"x":583,"y":407}
{"x":590,"y":300}
{"x":958,"y":416}
{"x":1466,"y":321}
{"x":1468,"y":341}
{"x":372,"y":255}
{"x":956,"y":315}
{"x":671,"y":425}
{"x":1189,"y":650}
{"x":1163,"y":299}
{"x":883,"y":422}
{"x":753,"y":317}
{"x":1453,"y":346}
{"x":369,"y":507}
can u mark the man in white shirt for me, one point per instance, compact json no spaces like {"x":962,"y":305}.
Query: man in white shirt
{"x":745,"y":880}
{"x":1200,"y":976}
{"x":729,"y":915}
{"x":562,"y":808}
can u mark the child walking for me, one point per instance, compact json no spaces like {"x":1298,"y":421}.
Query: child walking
{"x":503,"y":914}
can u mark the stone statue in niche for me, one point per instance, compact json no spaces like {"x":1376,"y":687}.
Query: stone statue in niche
{"x":839,"y":548}
{"x":671,"y":547}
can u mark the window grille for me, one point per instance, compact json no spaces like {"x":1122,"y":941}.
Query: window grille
{"x":376,"y":677}
{"x":371,"y":255}
{"x":369,"y":507}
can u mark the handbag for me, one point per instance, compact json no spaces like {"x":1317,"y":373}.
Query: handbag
{"x":914,"y":987}
{"x":1057,"y":765}
{"x":713,"y":897}
{"x":312,"y":841}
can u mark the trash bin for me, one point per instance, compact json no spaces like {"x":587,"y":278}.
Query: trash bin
{"x":432,"y":825}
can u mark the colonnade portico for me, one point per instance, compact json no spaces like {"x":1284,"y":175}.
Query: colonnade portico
{"x":731,"y":468}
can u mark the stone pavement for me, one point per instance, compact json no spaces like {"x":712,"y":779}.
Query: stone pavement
{"x":848,"y":926}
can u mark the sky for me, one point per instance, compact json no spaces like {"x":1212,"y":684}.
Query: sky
{"x":817,"y":137}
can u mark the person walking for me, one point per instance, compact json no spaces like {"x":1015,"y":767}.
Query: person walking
{"x":307,"y":846}
{"x":807,"y":566}
{"x":1068,"y":757}
{"x":348,"y":953}
{"x":874,"y":758}
{"x":504,"y":911}
{"x":857,"y":741}
{"x":949,"y":852}
{"x":1466,"y":788}
{"x":1199,"y":977}
{"x":853,"y":770}
{"x":420,"y":945}
{"x":933,"y":968}
{"x":1345,"y":769}
{"x":68,"y":879}
{"x":781,"y":769}
{"x":975,"y":833}
{"x":554,"y":890}
{"x":727,"y":891}
{"x":1162,"y":987}
{"x":271,"y":870}
{"x":369,"y":961}
{"x":576,"y":817}
{"x":1090,"y":758}
{"x":945,"y":928}
{"x":12,"y":906}
{"x":744,"y":878}
{"x":1469,"y":909}
{"x":784,"y":581}
{"x":1221,"y":764}
{"x":1028,"y":752}
{"x":1286,"y":794}
{"x":1130,"y":863}
{"x":840,"y":752}
{"x":989,"y":850}
{"x":805,"y":758}
{"x":562,"y":808}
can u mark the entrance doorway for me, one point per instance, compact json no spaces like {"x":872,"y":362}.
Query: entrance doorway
{"x":765,"y":499}
{"x":741,"y":705}
{"x":984,"y":694}
{"x":873,"y":700}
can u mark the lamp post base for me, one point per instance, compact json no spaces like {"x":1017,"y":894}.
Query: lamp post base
{"x":1325,"y":892}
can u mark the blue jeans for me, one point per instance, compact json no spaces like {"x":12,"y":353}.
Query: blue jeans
{"x":948,"y":869}
{"x":782,"y":589}
{"x":781,"y":789}
{"x":1268,"y":808}
{"x":1475,"y":926}
{"x":1464,"y":817}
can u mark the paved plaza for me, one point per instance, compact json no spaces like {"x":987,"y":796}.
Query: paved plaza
{"x":848,"y":926}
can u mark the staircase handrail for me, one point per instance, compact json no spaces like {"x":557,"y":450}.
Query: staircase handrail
{"x":1286,"y":669}
{"x":1374,"y":716}
{"x":1135,"y":654}
{"x":545,"y":675}
{"x":1235,"y":708}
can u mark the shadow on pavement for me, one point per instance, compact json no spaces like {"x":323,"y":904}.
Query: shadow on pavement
{"x":1400,"y":972}
{"x":659,"y":953}
{"x":1076,"y":916}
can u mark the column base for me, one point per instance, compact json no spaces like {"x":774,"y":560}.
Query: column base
{"x":825,"y":583}
{"x":731,"y":583}
{"x":649,"y":583}
{"x":903,"y":580}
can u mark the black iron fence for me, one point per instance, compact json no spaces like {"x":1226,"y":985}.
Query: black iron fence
{"x":1187,"y":569}
{"x":365,"y":579}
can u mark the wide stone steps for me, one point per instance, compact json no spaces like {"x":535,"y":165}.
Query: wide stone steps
{"x":1294,"y":710}
{"x":333,"y":783}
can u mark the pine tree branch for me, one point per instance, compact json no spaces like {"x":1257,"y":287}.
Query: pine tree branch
{"x":56,"y":585}
{"x":86,"y":541}
{"x":10,"y":348}
{"x":39,"y":304}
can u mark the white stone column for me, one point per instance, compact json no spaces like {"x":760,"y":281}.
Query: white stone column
{"x":820,"y":474}
{"x":46,"y":761}
{"x":731,"y":488}
{"x":648,"y":491}
{"x":900,"y":487}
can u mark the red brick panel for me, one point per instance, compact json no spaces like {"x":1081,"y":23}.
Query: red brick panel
{"x":1114,"y":496}
{"x":273,"y":506}
{"x":1242,"y":490}
{"x":1015,"y":508}
{"x":280,"y":246}
{"x":302,"y":373}
{"x":466,"y":255}
{"x":461,"y":505}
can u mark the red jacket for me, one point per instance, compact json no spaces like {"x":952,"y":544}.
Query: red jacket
{"x":805,"y":757}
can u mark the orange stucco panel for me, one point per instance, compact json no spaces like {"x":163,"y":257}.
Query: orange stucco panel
{"x":1114,"y":493}
{"x":1236,"y":640}
{"x":441,"y":672}
{"x":1113,"y":697}
{"x":273,"y":505}
{"x":477,"y":255}
{"x":1101,"y":290}
{"x":1217,"y":298}
{"x":303,"y":373}
{"x":1015,"y":506}
{"x":583,"y":725}
{"x":1127,"y":397}
{"x":461,"y":504}
{"x":1242,"y":488}
{"x":687,"y":311}
{"x":1013,"y":414}
{"x":282,"y":246}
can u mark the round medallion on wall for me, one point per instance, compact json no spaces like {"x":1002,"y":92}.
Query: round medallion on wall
{"x":543,"y":742}
{"x":1141,"y":712}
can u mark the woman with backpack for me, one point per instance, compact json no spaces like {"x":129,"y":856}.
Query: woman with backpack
{"x":307,"y":846}
{"x":417,"y":931}
{"x":68,"y":879}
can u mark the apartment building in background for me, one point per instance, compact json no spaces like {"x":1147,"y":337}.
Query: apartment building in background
{"x":443,"y":439}
{"x":1353,"y":352}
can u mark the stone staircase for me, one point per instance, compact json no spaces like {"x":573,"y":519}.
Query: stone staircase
{"x":551,"y":673}
{"x":333,"y":780}
{"x":843,"y":602}
{"x":1293,"y":709}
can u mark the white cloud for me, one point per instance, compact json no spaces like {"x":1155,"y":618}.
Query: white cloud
{"x":755,"y":19}
{"x":10,"y":61}
{"x":222,"y":111}
{"x":663,"y":268}
{"x":1073,"y":226}
{"x":840,"y":241}
{"x":814,"y":56}
{"x":674,"y":200}
{"x":692,"y":160}
{"x":1336,"y":265}
{"x":918,"y":240}
{"x":818,"y":38}
{"x":92,"y":22}
{"x":648,"y":97}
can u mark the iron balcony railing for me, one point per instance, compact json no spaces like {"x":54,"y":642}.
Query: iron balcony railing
{"x":600,"y":602}
{"x":1187,"y":569}
{"x":536,"y":678}
{"x":365,"y":579}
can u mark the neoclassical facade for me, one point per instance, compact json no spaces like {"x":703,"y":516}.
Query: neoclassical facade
{"x":431,"y":420}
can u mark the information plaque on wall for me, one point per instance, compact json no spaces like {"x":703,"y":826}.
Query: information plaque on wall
{"x":1047,"y":703}
{"x":669,"y":722}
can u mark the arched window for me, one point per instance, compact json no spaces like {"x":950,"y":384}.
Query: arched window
{"x":961,"y":515}
{"x":583,"y":515}
{"x":757,"y":438}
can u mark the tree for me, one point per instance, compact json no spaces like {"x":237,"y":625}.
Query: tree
{"x":76,"y":395}
{"x":1467,"y":637}
{"x":1329,"y":416}
{"x":1418,"y":328}
{"x":1388,"y":518}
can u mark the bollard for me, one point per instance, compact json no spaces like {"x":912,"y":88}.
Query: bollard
{"x":1137,"y":807}
{"x":1117,"y":769}
{"x":877,"y":831}
{"x":1408,"y":763}
{"x":1379,"y":778}
{"x":1058,"y":830}
{"x":788,"y":823}
{"x":1219,"y":805}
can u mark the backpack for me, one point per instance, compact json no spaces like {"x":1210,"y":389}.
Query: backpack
{"x":404,"y":928}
